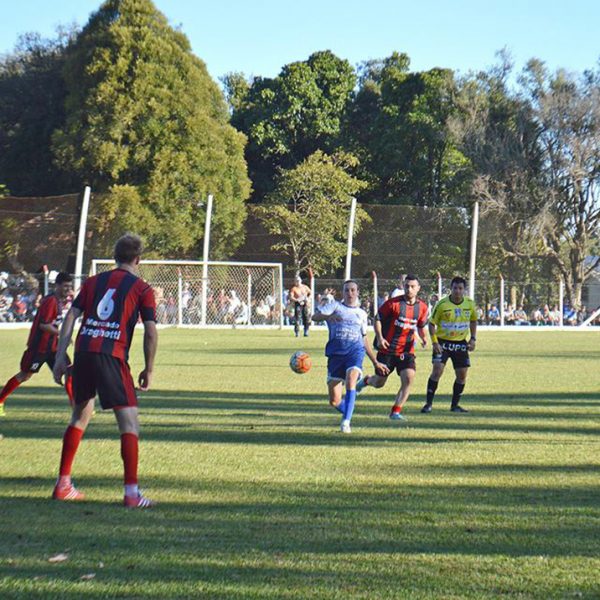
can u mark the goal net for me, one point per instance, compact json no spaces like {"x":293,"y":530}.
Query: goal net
{"x":218,"y":294}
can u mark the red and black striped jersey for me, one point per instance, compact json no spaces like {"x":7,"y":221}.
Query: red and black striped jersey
{"x":112,"y":303}
{"x":48,"y":312}
{"x":399,"y":322}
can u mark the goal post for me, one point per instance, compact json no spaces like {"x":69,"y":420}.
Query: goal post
{"x":216,"y":294}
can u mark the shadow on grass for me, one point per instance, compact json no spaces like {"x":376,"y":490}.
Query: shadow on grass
{"x":306,"y":419}
{"x":279,"y":517}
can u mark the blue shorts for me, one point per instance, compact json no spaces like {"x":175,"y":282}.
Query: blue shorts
{"x":339,"y":364}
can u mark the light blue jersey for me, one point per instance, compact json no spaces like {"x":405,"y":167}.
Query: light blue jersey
{"x":346,"y":335}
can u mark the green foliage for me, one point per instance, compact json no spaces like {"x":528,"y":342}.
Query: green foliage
{"x":9,"y":239}
{"x":142,"y":111}
{"x":291,"y":116}
{"x":399,"y":128}
{"x":32,"y":95}
{"x":309,"y":209}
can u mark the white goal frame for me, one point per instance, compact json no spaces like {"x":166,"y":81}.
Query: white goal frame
{"x":243,"y":277}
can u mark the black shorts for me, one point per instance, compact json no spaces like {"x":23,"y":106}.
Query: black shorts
{"x":95,"y":373}
{"x":32,"y":362}
{"x":400,"y":363}
{"x":457,"y":352}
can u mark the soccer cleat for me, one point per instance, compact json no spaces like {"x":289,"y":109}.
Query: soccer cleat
{"x":397,"y":416}
{"x":426,"y":408}
{"x":345,"y":426}
{"x":2,"y":411}
{"x":138,"y":501}
{"x":458,"y":409}
{"x":67,"y":493}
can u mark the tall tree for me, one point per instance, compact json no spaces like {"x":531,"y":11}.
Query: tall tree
{"x":146,"y":123}
{"x":32,"y":95}
{"x":398,"y":127}
{"x":538,"y":156}
{"x":289,"y":117}
{"x":309,"y":211}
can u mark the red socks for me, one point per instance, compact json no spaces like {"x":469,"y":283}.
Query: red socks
{"x":129,"y":454}
{"x":11,"y":385}
{"x":71,"y":441}
{"x":396,"y":409}
{"x":69,"y":389}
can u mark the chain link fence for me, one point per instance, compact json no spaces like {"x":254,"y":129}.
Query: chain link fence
{"x":237,"y":294}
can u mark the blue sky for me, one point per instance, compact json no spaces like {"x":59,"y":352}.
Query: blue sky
{"x":258,"y":37}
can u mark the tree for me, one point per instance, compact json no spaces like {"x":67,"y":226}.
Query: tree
{"x":539,"y":178}
{"x":291,"y":116}
{"x":566,"y":110}
{"x":146,"y":122}
{"x":398,"y":127}
{"x":309,"y":209}
{"x":32,"y":95}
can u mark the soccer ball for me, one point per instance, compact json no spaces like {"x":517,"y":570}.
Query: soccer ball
{"x":300,"y":362}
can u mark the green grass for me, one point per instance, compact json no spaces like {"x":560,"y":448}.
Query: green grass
{"x":260,"y":496}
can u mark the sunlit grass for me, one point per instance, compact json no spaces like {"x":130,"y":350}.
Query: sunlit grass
{"x":260,"y":496}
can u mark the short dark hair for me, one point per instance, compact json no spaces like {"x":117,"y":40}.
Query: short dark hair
{"x":350,"y":281}
{"x":63,"y":277}
{"x":458,"y":279}
{"x":411,"y":277}
{"x":128,"y":248}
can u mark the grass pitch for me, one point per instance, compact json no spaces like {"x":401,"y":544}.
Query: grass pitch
{"x":260,"y":496}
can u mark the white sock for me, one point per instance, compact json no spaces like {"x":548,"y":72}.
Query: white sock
{"x":131,"y":489}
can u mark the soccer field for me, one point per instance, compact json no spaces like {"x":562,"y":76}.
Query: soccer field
{"x":261,"y":496}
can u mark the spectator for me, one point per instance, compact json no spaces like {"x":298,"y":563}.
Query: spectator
{"x":494,"y":315}
{"x":520,"y":316}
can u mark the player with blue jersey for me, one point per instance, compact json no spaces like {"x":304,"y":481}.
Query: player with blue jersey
{"x":346,"y":349}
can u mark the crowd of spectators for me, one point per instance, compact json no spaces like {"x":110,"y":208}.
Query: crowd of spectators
{"x":19,"y":298}
{"x":222,"y":307}
{"x":543,"y":315}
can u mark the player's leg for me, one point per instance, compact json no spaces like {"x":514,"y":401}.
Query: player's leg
{"x":377,"y":380}
{"x":458,"y":389}
{"x":352,"y":375}
{"x":407,"y":376}
{"x":127,"y":419}
{"x":305,"y":319}
{"x":438,"y":363}
{"x":335,"y":388}
{"x":297,"y":317}
{"x":117,"y":391}
{"x":80,"y":418}
{"x":11,"y":385}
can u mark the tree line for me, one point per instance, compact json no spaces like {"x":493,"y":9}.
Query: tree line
{"x":124,"y":105}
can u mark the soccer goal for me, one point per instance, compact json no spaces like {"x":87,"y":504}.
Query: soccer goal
{"x":215,"y":294}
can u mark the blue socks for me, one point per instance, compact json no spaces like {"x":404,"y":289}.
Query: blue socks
{"x":348,"y":403}
{"x":341,"y":407}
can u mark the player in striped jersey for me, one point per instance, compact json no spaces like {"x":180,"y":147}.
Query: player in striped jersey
{"x":41,"y":344}
{"x":111,"y":304}
{"x":399,"y":321}
{"x":452,"y":320}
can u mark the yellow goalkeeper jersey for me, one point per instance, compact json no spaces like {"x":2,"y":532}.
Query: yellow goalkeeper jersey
{"x":452,"y":320}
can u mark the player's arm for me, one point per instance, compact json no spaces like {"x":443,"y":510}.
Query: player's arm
{"x":473,"y":328}
{"x":150,"y":346}
{"x":66,"y":333}
{"x":49,"y":328}
{"x":326,"y":312}
{"x":381,"y":341}
{"x":435,"y":345}
{"x":422,"y":336}
{"x":380,"y":368}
